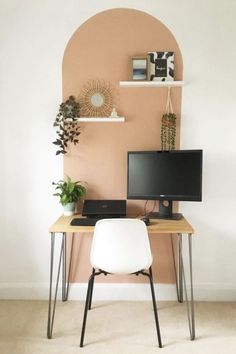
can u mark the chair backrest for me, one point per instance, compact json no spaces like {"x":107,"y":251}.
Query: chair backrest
{"x":120,"y":246}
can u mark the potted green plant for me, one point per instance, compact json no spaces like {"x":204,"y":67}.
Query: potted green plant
{"x":69,"y":194}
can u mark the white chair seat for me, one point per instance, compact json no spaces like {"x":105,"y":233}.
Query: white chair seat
{"x":120,"y":246}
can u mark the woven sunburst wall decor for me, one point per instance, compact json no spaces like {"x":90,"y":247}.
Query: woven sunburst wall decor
{"x":96,"y":99}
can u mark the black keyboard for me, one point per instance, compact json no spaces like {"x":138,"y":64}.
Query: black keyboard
{"x":92,"y":221}
{"x":84,"y":221}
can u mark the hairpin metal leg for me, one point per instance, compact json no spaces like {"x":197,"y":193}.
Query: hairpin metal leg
{"x":63,"y":288}
{"x":65,"y":276}
{"x":189,"y":305}
{"x":69,"y":271}
{"x":175,"y":267}
{"x":180,"y":297}
{"x":191,"y":285}
{"x":52,"y":308}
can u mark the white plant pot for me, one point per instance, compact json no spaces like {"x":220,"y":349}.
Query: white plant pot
{"x":69,"y":209}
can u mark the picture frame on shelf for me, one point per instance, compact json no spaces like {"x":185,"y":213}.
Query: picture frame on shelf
{"x":161,"y":66}
{"x":140,"y":68}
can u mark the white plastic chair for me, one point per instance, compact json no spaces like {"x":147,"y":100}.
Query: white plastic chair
{"x":120,"y":246}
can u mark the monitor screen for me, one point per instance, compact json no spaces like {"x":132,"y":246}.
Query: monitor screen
{"x":165,"y":175}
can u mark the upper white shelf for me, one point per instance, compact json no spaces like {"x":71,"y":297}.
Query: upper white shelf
{"x":101,"y":119}
{"x":151,"y":83}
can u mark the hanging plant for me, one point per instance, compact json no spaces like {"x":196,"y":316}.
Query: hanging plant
{"x":168,"y":131}
{"x":67,"y":126}
{"x":168,"y":126}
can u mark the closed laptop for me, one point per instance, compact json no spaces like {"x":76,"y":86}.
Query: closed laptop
{"x":104,"y":208}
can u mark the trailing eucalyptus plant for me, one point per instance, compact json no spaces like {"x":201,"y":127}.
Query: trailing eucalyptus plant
{"x":66,"y":122}
{"x":168,"y":131}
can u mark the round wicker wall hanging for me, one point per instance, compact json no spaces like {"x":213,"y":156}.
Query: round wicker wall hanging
{"x":96,"y":99}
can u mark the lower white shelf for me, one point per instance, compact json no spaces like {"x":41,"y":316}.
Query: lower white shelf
{"x":101,"y":119}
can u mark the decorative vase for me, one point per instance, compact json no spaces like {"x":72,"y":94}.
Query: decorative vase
{"x":69,"y":209}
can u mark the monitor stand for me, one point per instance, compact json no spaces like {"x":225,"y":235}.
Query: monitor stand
{"x":165,"y":211}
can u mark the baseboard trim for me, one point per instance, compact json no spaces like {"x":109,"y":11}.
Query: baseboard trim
{"x":102,"y":291}
{"x":215,"y":292}
{"x":118,"y":291}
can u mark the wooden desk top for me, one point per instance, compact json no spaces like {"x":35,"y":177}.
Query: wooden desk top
{"x":157,"y":226}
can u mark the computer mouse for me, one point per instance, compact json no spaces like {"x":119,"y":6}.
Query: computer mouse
{"x":146,"y":220}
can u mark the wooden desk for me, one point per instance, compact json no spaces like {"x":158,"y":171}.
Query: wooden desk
{"x":157,"y":226}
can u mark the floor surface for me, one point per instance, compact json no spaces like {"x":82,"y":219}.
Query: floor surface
{"x":116,"y":328}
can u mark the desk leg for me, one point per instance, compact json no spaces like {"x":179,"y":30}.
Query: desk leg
{"x":66,"y":282}
{"x":191,"y":285}
{"x":190,"y":306}
{"x":63,"y":285}
{"x":180,"y":294}
{"x":52,"y":304}
{"x":175,"y":266}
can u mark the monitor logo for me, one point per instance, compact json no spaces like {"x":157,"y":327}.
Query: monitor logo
{"x":162,"y":195}
{"x":104,"y":206}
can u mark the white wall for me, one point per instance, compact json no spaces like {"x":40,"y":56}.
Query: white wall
{"x":33,"y":36}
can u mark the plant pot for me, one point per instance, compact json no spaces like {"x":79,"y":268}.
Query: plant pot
{"x":69,"y":209}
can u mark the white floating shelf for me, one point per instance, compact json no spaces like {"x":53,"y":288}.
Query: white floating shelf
{"x":101,"y":119}
{"x":151,"y":83}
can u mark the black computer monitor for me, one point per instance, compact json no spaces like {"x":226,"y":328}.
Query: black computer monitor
{"x":165,"y":176}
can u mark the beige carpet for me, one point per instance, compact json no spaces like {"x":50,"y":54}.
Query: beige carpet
{"x":116,"y":328}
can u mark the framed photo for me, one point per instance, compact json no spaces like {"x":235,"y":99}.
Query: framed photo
{"x":161,"y":66}
{"x":140,"y":68}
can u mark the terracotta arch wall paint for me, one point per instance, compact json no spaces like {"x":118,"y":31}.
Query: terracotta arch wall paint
{"x":101,"y":48}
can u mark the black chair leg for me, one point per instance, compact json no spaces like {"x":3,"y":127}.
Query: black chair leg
{"x":88,"y":296}
{"x":89,"y":301}
{"x":155,"y":307}
{"x":91,"y":290}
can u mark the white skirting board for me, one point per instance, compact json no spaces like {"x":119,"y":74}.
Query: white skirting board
{"x":116,"y":292}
